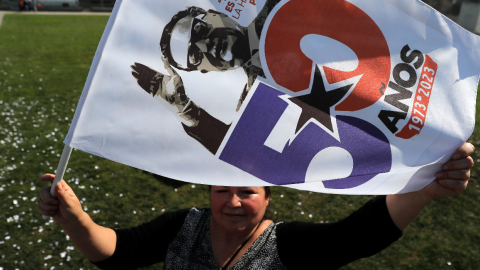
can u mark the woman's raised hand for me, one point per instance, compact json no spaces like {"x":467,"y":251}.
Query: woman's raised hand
{"x":453,"y":179}
{"x":95,"y":242}
{"x":64,"y":208}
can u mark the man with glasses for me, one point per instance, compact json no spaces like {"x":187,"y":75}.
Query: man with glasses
{"x":200,"y":40}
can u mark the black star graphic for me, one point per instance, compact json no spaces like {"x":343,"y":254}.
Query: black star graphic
{"x":317,"y":104}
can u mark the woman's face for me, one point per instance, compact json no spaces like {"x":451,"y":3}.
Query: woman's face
{"x":238,"y":209}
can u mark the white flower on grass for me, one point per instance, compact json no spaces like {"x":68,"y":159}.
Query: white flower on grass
{"x":193,"y":186}
{"x":48,"y":257}
{"x":7,"y":237}
{"x":63,"y":254}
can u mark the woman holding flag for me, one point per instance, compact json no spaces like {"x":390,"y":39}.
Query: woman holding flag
{"x":234,"y":233}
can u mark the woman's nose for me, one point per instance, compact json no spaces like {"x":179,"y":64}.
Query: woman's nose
{"x":234,"y":201}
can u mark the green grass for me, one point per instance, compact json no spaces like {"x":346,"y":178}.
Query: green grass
{"x":44,"y":61}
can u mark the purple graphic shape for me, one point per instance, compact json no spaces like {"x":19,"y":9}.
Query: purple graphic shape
{"x":245,"y":149}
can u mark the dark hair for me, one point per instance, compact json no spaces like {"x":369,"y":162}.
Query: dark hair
{"x":167,"y":34}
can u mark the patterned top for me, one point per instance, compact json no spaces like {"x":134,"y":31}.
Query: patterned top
{"x":191,"y":248}
{"x":181,"y":240}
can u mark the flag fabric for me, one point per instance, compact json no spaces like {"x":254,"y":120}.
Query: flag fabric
{"x":334,"y":96}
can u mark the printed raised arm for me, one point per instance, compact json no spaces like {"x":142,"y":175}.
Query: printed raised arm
{"x":169,"y":87}
{"x":198,"y":123}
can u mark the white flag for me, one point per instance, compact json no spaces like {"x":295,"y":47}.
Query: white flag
{"x":334,"y":96}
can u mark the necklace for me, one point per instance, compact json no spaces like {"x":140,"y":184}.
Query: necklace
{"x":241,"y":246}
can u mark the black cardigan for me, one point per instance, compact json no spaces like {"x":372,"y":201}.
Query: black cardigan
{"x":301,"y":245}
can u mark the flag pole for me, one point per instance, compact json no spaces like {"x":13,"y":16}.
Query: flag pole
{"x":62,"y":166}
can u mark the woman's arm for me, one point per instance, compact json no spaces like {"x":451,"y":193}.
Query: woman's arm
{"x":95,"y":242}
{"x":453,"y":180}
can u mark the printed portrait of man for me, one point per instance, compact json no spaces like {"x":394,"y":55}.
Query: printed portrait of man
{"x":198,"y":40}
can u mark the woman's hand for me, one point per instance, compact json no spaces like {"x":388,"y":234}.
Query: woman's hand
{"x":65,"y":208}
{"x":453,"y":179}
{"x":95,"y":242}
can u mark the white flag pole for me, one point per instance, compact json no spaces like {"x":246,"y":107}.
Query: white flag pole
{"x":62,"y":166}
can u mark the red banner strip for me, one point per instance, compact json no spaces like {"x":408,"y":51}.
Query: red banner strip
{"x":420,"y":103}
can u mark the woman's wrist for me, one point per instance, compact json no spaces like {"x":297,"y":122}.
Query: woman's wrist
{"x":79,"y":225}
{"x":403,"y":208}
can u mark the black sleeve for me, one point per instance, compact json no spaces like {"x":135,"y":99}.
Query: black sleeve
{"x":145,"y":244}
{"x":307,"y":245}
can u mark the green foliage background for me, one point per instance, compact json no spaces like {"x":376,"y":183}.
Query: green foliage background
{"x":44,"y":62}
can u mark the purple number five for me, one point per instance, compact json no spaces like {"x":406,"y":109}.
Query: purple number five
{"x":245,"y":149}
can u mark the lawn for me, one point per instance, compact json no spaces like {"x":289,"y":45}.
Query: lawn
{"x":44,"y":62}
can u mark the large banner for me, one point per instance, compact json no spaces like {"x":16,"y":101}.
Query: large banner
{"x":335,"y":96}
